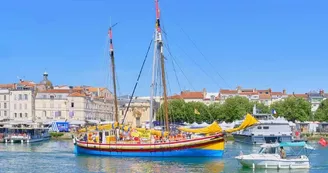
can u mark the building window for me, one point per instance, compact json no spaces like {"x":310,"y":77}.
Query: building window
{"x":21,"y":115}
{"x":265,"y":127}
{"x":5,"y":105}
{"x":0,"y":113}
{"x":4,"y":113}
{"x":52,"y":97}
{"x":51,"y":105}
{"x":15,"y":107}
{"x":20,"y":106}
{"x":44,"y":96}
{"x":25,"y":115}
{"x":25,"y":106}
{"x":4,"y":97}
{"x":44,"y":113}
{"x":72,"y":105}
{"x":60,"y":96}
{"x":44,"y":105}
{"x":15,"y":115}
{"x":25,"y":97}
{"x":15,"y":96}
{"x":20,"y":97}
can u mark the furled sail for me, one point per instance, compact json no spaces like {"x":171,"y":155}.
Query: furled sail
{"x":158,"y":133}
{"x":248,"y":121}
{"x":105,"y":127}
{"x":211,"y":129}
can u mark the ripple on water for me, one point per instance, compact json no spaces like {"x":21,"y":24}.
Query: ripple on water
{"x":57,"y":156}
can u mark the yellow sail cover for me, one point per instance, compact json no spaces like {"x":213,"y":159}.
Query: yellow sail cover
{"x":105,"y":127}
{"x":211,"y":129}
{"x":249,"y":121}
{"x":153,"y":132}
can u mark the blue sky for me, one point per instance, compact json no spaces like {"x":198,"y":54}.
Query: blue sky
{"x":259,"y":44}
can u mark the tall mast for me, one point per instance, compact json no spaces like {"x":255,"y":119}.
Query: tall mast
{"x":158,"y":55}
{"x":111,"y":51}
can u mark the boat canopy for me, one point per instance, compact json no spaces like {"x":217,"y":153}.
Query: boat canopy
{"x":213,"y":128}
{"x":288,"y":144}
{"x":248,"y":121}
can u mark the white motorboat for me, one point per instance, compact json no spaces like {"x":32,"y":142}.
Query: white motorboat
{"x":269,"y":157}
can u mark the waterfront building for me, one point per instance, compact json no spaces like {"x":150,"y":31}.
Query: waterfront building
{"x":266,"y":97}
{"x":21,"y":104}
{"x":4,"y":104}
{"x":42,"y":102}
{"x":315,"y":98}
{"x":72,"y":104}
{"x":139,"y":110}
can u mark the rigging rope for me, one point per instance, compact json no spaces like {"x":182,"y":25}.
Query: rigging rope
{"x":135,"y":86}
{"x":175,"y":61}
{"x":213,"y":67}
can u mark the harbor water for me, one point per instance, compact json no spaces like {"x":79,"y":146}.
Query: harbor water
{"x":58,"y":157}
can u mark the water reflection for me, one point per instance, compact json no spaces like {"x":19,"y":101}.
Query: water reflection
{"x":58,"y":156}
{"x":248,"y":170}
{"x":149,"y":165}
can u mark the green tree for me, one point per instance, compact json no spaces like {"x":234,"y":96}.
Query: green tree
{"x":322,"y":112}
{"x":235,"y":108}
{"x":293,"y":109}
{"x":176,"y":112}
{"x":216,"y":111}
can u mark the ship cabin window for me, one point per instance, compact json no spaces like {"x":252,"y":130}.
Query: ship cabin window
{"x":265,"y":127}
{"x":267,"y":151}
{"x":259,"y":127}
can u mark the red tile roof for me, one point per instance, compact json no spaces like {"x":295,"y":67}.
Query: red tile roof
{"x":27,"y":83}
{"x":225,"y":91}
{"x":188,"y":95}
{"x":305,"y":96}
{"x":77,"y":94}
{"x":7,"y":86}
{"x":249,"y":93}
{"x":277,"y":93}
{"x":265,"y":96}
{"x":60,"y":91}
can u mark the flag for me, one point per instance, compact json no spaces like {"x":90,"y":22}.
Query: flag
{"x":273,"y":112}
{"x":196,"y":112}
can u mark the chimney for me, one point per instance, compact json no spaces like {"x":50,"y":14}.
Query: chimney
{"x":270,"y":90}
{"x":70,"y":89}
{"x":284,"y":92}
{"x":204,"y":92}
{"x":238,"y":89}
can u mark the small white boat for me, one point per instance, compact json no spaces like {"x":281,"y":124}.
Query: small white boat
{"x":269,"y":157}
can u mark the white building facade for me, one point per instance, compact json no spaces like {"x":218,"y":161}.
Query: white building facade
{"x":21,"y":105}
{"x":4,"y":104}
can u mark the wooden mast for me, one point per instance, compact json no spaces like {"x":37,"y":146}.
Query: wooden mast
{"x":111,"y":51}
{"x":160,"y":54}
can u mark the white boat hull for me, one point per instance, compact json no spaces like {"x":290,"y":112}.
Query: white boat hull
{"x":253,"y":161}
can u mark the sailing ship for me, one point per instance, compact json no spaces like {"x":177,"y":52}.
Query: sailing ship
{"x":105,"y":139}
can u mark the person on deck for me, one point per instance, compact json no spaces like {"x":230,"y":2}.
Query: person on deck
{"x":282,"y":153}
